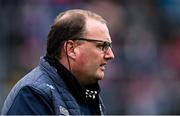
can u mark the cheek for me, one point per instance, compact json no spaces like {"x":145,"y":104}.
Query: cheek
{"x":83,"y":59}
{"x":89,"y":60}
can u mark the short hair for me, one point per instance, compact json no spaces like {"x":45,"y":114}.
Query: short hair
{"x":68,"y":25}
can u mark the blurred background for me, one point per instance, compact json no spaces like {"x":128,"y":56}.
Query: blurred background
{"x":144,"y":77}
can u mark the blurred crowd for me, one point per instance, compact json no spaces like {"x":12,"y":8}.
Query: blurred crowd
{"x":143,"y":78}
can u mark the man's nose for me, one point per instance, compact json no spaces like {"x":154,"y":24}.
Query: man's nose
{"x":109,"y":54}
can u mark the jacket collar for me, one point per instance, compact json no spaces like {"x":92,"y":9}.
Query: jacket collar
{"x":79,"y":92}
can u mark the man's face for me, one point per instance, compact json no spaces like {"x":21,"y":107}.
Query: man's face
{"x":92,"y":56}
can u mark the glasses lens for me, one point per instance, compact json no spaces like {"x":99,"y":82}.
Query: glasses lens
{"x":106,"y":46}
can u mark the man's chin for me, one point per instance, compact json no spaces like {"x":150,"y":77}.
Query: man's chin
{"x":100,"y":76}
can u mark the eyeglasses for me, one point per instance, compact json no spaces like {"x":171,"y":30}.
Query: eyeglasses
{"x":105,"y":45}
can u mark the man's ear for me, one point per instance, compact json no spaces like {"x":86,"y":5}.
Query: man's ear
{"x":69,"y":47}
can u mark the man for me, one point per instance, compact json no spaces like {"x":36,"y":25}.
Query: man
{"x":66,"y":80}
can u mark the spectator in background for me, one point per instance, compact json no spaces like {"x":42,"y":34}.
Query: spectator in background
{"x":66,"y":80}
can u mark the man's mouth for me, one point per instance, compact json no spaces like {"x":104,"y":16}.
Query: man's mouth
{"x":102,"y":66}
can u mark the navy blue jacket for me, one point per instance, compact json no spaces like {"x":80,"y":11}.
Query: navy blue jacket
{"x":46,"y":90}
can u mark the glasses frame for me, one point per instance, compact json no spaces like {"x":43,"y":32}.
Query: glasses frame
{"x":105,"y":44}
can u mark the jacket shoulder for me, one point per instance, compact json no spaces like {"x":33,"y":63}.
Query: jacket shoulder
{"x":36,"y":79}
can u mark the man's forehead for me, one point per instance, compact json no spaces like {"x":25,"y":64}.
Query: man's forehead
{"x":94,"y":28}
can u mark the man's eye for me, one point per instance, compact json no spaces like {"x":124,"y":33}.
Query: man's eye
{"x":104,"y":46}
{"x":100,"y":46}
